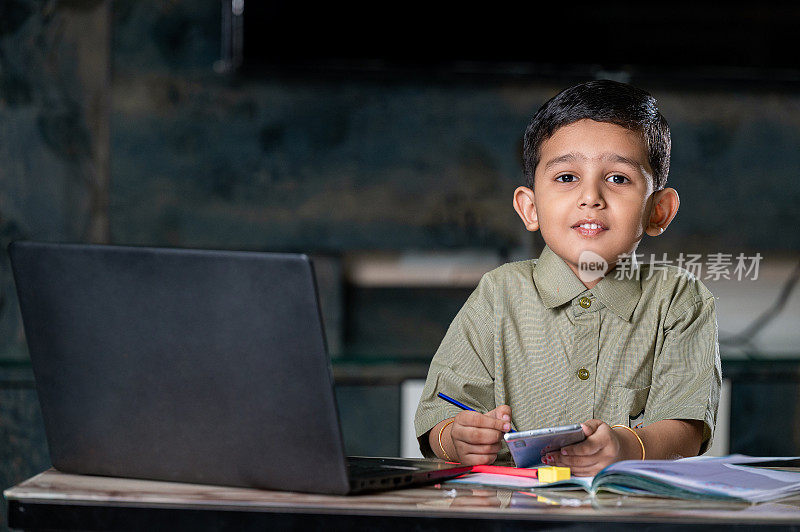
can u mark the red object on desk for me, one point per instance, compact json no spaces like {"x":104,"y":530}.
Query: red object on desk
{"x":504,"y":470}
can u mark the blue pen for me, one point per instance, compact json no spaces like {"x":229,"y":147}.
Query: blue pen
{"x":459,"y":405}
{"x":454,"y":402}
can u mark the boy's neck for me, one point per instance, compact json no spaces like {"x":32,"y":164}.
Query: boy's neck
{"x":590,"y":284}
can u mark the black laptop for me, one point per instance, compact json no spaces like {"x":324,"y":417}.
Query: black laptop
{"x":192,"y":366}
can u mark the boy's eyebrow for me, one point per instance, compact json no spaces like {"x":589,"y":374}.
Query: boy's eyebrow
{"x":617,"y":158}
{"x":608,"y":156}
{"x":566,"y":158}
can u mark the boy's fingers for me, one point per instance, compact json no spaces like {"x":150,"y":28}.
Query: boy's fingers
{"x":584,"y":466}
{"x":478,"y":459}
{"x":476,"y":435}
{"x":502,"y":412}
{"x":475,"y":419}
{"x":577,"y":461}
{"x":591,"y":426}
{"x":480,"y":449}
{"x":584,"y":448}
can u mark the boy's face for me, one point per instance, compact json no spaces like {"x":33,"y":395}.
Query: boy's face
{"x":593,"y":191}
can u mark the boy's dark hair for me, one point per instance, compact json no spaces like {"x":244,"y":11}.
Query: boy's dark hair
{"x":602,"y":101}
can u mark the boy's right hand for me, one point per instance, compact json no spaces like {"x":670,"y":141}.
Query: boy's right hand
{"x":477,"y":437}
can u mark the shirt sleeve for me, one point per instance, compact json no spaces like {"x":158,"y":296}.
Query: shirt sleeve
{"x":687,"y":374}
{"x":462,"y":367}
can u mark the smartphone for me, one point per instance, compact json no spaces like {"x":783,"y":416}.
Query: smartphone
{"x":528,"y":447}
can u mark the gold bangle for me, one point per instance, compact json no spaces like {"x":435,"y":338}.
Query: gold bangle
{"x":446,"y":457}
{"x":632,"y":432}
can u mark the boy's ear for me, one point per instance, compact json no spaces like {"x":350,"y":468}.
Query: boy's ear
{"x":526,"y":208}
{"x":665,"y":207}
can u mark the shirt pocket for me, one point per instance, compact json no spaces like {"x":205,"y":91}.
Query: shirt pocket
{"x":628,"y":406}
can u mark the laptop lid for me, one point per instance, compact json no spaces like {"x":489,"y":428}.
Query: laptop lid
{"x":183,"y":365}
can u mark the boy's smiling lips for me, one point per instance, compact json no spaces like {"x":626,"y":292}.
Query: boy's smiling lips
{"x":589,"y":227}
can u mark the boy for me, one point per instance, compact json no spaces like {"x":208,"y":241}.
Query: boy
{"x":633,"y":357}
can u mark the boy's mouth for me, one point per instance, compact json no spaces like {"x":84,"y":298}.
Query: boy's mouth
{"x":589,"y":227}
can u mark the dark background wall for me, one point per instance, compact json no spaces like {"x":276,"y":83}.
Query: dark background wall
{"x":115,"y":126}
{"x":119,"y":123}
{"x":331,"y":162}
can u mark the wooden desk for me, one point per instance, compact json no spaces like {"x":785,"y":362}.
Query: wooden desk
{"x":54,"y":500}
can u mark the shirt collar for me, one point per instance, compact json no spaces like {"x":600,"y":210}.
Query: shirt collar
{"x":620,"y":293}
{"x":554,"y":280}
{"x":557,"y":284}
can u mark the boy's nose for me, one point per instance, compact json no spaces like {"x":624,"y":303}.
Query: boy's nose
{"x":591,"y":196}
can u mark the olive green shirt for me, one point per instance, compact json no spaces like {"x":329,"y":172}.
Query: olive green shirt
{"x":632,"y":350}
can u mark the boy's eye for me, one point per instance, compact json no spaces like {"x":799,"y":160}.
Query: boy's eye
{"x":617,"y":179}
{"x":566,"y":178}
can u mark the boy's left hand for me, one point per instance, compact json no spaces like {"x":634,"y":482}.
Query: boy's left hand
{"x":601,"y":447}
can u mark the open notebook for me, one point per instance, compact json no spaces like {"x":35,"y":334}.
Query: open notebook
{"x":734,"y":477}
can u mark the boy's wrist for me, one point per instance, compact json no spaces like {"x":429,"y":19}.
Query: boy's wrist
{"x":631,"y":445}
{"x":445,"y":442}
{"x":441,"y":442}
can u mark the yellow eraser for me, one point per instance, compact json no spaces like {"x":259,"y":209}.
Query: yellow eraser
{"x":551,"y":474}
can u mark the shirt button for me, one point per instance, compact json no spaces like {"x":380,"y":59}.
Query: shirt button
{"x":585,"y":302}
{"x":583,"y":374}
